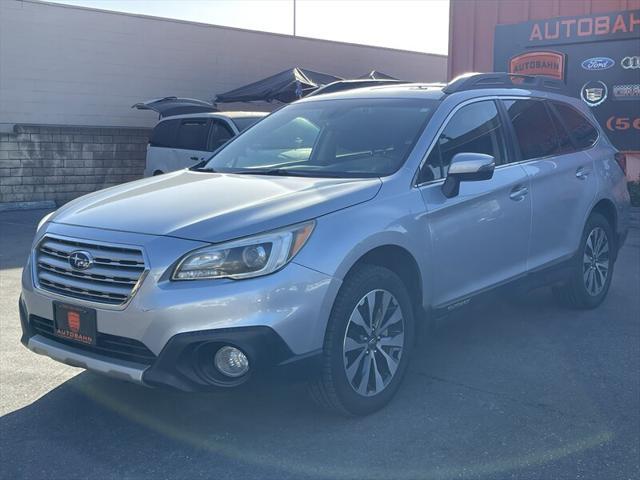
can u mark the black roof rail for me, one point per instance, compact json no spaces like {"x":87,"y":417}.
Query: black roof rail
{"x":472,"y":81}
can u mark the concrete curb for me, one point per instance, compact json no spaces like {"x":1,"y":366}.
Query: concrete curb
{"x":10,"y":206}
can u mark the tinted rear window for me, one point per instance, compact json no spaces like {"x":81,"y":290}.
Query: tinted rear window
{"x":565,"y":145}
{"x":164,"y":134}
{"x":534,"y":128}
{"x":583,"y":132}
{"x":192,"y":134}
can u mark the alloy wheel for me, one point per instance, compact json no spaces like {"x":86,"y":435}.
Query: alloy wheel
{"x":373,"y":342}
{"x":595,"y":261}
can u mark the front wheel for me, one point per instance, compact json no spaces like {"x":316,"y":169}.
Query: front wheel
{"x":368,"y":342}
{"x":591,"y":270}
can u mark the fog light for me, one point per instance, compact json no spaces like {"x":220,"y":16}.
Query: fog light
{"x":231,"y":362}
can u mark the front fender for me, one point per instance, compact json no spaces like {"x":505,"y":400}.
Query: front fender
{"x":344,"y":237}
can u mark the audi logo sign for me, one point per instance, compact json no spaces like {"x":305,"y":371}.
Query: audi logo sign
{"x":630,"y":63}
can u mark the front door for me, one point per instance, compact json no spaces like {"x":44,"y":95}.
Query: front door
{"x":479,"y":238}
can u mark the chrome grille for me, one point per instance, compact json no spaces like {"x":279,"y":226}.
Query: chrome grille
{"x":111,"y":279}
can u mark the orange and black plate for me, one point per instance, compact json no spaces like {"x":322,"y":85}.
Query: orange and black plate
{"x":75,"y":323}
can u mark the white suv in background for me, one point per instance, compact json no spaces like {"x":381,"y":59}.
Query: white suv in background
{"x":182,"y":141}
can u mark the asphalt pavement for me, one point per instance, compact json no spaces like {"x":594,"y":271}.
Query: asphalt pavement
{"x":502,"y":389}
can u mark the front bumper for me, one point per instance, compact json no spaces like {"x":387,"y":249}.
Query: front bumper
{"x":278,"y":320}
{"x":186,"y":362}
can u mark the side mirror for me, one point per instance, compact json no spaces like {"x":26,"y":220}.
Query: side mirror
{"x":467,"y":167}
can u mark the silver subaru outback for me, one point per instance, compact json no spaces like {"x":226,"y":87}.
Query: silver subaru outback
{"x":316,"y":242}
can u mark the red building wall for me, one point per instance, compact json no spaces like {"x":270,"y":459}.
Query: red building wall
{"x":472,"y":23}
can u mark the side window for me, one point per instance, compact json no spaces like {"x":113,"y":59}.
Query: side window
{"x":564,"y":139}
{"x":192,"y":134}
{"x":164,"y":134}
{"x":534,"y":128}
{"x":220,"y":134}
{"x":475,"y":128}
{"x":582,"y":130}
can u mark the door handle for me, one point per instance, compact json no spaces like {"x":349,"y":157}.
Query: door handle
{"x":582,"y":173}
{"x":518,"y":193}
{"x":194,"y":158}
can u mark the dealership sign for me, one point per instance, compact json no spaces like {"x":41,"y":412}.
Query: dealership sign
{"x":597,"y":56}
{"x":591,"y":28}
{"x":550,"y":64}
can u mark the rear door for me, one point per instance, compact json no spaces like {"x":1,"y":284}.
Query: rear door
{"x":563,"y":184}
{"x":192,"y":142}
{"x":479,"y":237}
{"x":177,"y":143}
{"x":161,"y":152}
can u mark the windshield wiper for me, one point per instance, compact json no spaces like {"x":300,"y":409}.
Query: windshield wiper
{"x":202,"y":169}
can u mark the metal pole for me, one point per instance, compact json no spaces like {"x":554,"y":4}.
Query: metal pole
{"x":294,"y":18}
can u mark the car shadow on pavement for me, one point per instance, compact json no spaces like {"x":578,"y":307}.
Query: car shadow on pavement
{"x":494,"y":390}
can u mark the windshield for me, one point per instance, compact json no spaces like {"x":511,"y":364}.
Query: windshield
{"x":245,"y":122}
{"x":340,"y":138}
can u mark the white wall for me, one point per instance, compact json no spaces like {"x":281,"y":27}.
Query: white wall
{"x":76,"y":66}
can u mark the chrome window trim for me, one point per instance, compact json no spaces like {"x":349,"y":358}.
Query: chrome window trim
{"x":494,"y":97}
{"x":79,"y":301}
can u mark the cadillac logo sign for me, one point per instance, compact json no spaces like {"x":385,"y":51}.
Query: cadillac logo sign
{"x":550,"y":64}
{"x":80,"y":260}
{"x":598,"y":63}
{"x":594,"y":93}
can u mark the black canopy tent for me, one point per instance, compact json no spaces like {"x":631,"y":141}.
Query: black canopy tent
{"x":285,"y":86}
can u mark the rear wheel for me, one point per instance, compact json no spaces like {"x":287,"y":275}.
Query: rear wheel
{"x":158,"y":172}
{"x":592,"y":268}
{"x":367,"y":345}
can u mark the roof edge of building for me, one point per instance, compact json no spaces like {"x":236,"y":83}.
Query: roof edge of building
{"x":224,"y":27}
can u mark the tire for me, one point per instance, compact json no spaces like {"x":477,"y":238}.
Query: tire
{"x":342,"y":385}
{"x":157,"y":172}
{"x":589,"y":280}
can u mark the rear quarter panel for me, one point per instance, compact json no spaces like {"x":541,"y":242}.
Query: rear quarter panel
{"x":612,"y":183}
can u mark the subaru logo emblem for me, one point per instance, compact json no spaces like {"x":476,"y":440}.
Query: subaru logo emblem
{"x":80,"y":260}
{"x":598,"y":63}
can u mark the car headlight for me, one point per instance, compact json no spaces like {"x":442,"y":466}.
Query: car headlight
{"x":245,"y":258}
{"x":44,"y":220}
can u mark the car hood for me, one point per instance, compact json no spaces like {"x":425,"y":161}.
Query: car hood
{"x":214,"y":207}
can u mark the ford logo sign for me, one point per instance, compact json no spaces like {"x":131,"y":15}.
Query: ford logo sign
{"x":598,"y":63}
{"x":80,"y":260}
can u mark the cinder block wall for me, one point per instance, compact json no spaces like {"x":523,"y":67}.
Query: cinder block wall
{"x":60,"y":163}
